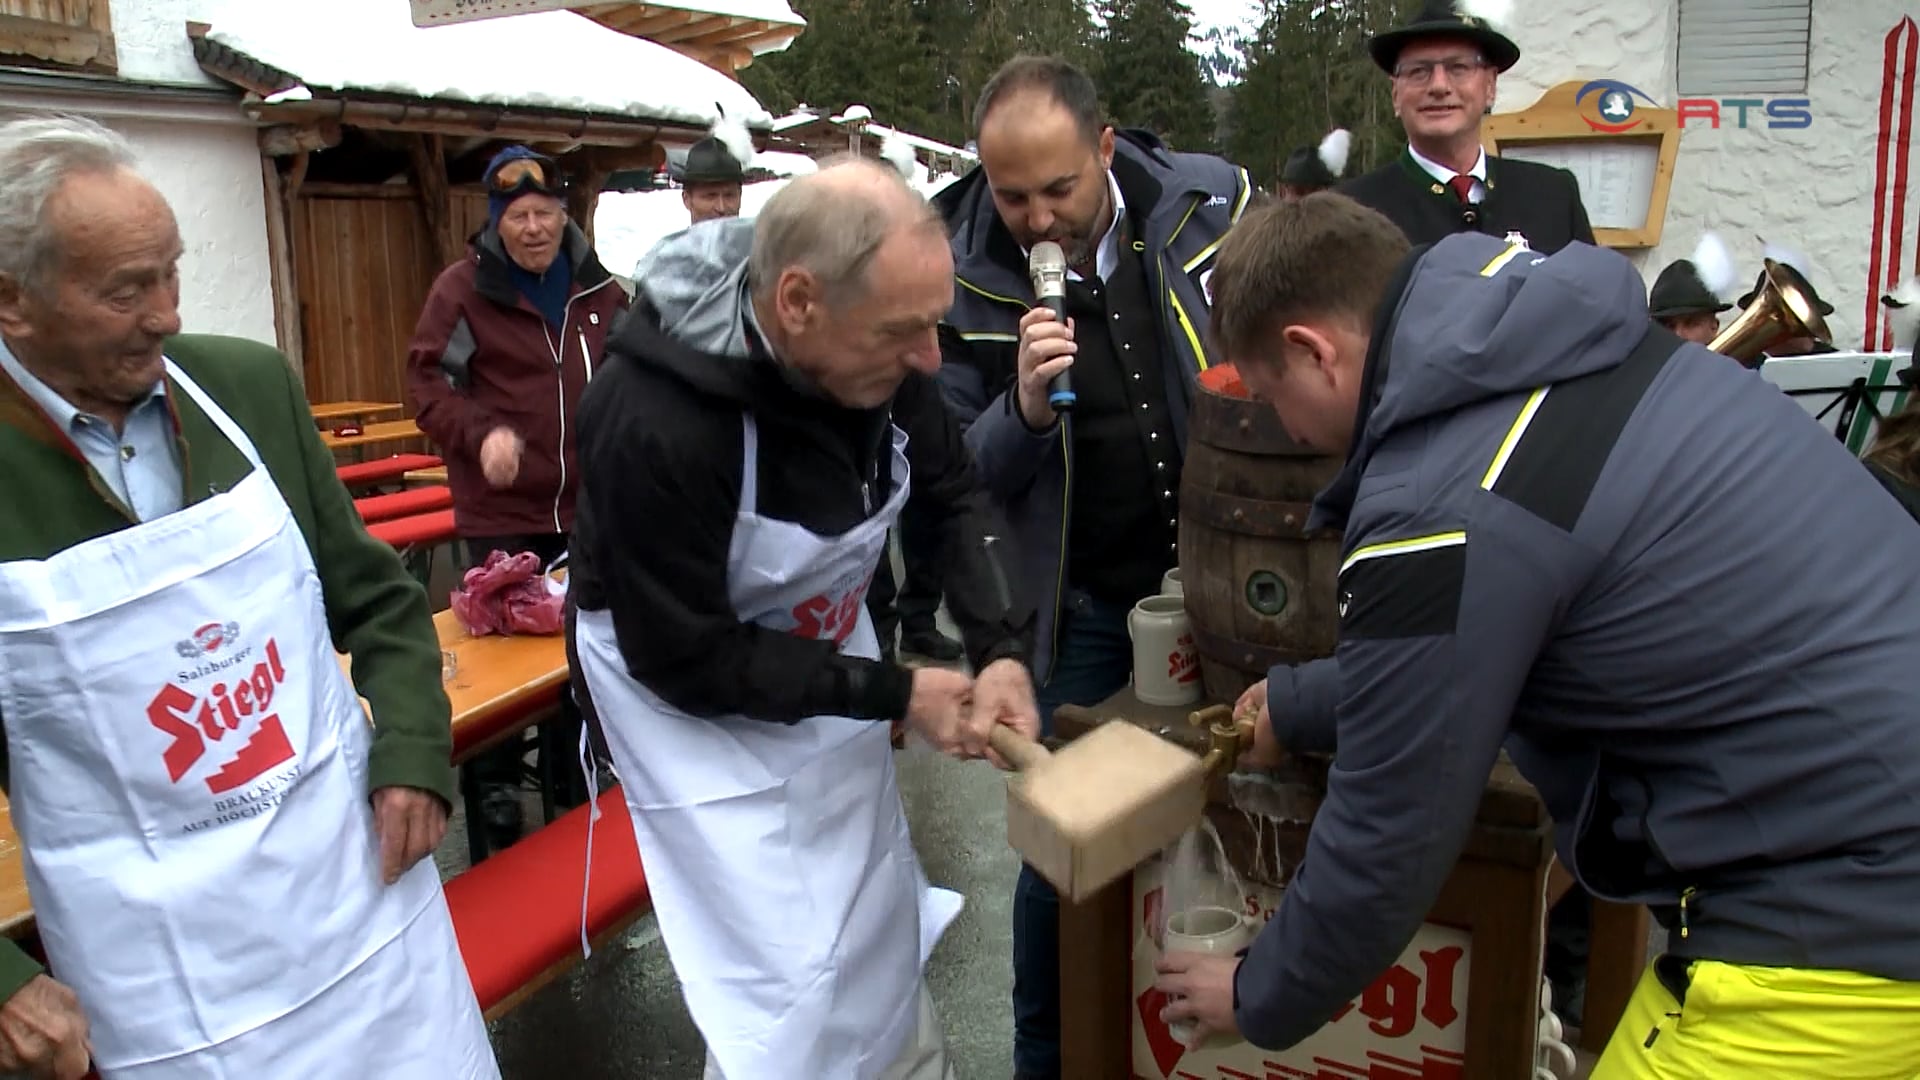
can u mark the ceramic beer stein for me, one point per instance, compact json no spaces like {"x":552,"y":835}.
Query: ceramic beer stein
{"x":1166,"y":669}
{"x":1215,"y":931}
{"x":1171,"y":583}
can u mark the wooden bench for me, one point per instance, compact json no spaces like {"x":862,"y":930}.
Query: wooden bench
{"x":517,"y":914}
{"x":384,"y":470}
{"x":399,"y":504}
{"x":384,"y":431}
{"x":415,"y":531}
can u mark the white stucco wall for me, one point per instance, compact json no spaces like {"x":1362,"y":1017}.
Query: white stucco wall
{"x":202,"y":153}
{"x":209,"y":169}
{"x":150,"y":37}
{"x":1810,"y":190}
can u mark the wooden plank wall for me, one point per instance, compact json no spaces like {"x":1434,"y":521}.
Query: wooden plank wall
{"x":364,"y":262}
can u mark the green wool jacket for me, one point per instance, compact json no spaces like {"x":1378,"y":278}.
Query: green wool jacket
{"x":52,"y":500}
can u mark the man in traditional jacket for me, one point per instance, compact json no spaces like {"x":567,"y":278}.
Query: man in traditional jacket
{"x":226,"y":860}
{"x":1444,"y":66}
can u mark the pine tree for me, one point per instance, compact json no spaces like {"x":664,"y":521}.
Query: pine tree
{"x":1004,"y":29}
{"x":1148,"y":76}
{"x":1308,"y":72}
{"x":868,"y":52}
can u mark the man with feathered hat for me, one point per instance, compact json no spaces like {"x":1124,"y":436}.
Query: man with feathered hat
{"x":1315,"y":168}
{"x":1444,"y":65}
{"x":715,"y":172}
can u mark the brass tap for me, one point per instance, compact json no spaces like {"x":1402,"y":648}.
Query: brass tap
{"x":1225,"y":737}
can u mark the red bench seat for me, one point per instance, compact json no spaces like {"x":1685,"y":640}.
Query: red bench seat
{"x":420,"y":500}
{"x":415,"y":531}
{"x":384,"y":469}
{"x":517,"y":913}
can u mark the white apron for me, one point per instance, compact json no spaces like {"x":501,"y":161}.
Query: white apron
{"x":787,"y":890}
{"x":189,"y":775}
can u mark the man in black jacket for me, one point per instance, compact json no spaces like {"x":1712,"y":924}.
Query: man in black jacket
{"x":1444,"y":67}
{"x":1091,"y":496}
{"x":743,"y":454}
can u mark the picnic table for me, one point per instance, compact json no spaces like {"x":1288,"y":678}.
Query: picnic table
{"x":329,"y":411}
{"x":385,"y":431}
{"x":501,"y":685}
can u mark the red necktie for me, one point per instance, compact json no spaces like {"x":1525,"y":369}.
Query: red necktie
{"x":1462,"y":186}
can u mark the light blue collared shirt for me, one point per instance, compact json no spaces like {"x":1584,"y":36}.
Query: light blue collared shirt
{"x":140,"y":463}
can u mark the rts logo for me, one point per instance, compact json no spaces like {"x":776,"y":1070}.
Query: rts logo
{"x":1613,"y":108}
{"x":1613,"y":103}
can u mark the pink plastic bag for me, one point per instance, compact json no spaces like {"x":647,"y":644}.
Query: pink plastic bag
{"x":508,"y":594}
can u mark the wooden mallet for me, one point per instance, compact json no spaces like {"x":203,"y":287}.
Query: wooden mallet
{"x":1109,"y":800}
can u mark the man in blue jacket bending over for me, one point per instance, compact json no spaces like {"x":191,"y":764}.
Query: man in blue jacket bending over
{"x":1687,"y":613}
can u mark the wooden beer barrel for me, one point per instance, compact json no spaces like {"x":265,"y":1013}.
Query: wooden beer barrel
{"x":1260,"y":589}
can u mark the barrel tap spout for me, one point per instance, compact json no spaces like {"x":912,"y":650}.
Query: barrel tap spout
{"x":1225,"y":737}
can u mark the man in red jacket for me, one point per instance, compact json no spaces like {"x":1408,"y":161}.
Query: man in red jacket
{"x":507,"y":340}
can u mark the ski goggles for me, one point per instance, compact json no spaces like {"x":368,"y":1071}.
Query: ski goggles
{"x":528,"y":174}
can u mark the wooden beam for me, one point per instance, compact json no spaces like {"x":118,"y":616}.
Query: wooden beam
{"x":426,"y":156}
{"x":461,"y":121}
{"x":725,"y":60}
{"x":589,"y":172}
{"x":651,"y":23}
{"x":298,"y":175}
{"x":284,"y":140}
{"x":44,"y":39}
{"x":732,"y":32}
{"x":287,"y":327}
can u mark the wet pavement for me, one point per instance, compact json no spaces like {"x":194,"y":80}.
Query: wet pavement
{"x":619,"y":1016}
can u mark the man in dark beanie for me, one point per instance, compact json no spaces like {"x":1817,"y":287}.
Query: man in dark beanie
{"x":1682,"y":302}
{"x":505,"y":344}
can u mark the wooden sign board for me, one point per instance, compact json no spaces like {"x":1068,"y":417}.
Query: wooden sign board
{"x":444,"y":12}
{"x":1620,"y":150}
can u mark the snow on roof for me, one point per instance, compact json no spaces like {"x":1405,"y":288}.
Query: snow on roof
{"x":794,"y":119}
{"x":373,"y":46}
{"x":781,"y":163}
{"x":881,"y":131}
{"x":773,"y":11}
{"x":627,"y":224}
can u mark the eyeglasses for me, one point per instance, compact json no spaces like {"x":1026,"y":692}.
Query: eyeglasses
{"x":1420,"y":73}
{"x":521,"y":175}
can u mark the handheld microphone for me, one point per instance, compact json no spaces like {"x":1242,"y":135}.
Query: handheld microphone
{"x":1047,"y":267}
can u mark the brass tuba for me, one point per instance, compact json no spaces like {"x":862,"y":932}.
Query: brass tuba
{"x":1782,"y":309}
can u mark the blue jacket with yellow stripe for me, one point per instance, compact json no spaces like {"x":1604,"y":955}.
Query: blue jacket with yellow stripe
{"x":1685,"y":611}
{"x":1190,"y":201}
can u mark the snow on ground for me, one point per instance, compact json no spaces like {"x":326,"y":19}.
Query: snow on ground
{"x":626,"y":224}
{"x":550,"y":59}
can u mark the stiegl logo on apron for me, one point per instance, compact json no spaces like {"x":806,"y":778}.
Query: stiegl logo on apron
{"x":832,"y":615}
{"x":224,"y":708}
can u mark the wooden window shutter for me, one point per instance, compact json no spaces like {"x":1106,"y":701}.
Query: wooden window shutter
{"x":68,"y":33}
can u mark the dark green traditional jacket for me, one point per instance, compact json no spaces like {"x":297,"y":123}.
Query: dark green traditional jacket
{"x":52,"y":500}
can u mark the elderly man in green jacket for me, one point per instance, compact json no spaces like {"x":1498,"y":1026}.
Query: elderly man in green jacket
{"x":226,"y":859}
